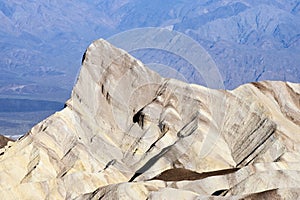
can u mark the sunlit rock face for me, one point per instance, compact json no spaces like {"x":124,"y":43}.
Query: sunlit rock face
{"x":127,"y":133}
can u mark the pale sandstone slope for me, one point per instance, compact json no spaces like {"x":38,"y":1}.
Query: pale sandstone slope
{"x":128,"y":133}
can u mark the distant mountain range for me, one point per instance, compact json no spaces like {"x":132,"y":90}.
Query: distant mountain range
{"x":42,"y":42}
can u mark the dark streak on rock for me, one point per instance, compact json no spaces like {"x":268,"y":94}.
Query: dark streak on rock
{"x":83,"y":57}
{"x":252,"y":152}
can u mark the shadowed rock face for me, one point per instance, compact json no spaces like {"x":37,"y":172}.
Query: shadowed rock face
{"x":127,"y":133}
{"x":3,"y":141}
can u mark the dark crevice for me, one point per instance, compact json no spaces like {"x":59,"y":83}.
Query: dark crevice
{"x":220,"y":192}
{"x":83,"y":57}
{"x":101,"y":197}
{"x":134,"y":152}
{"x":108,"y":97}
{"x":134,"y":176}
{"x":261,"y":124}
{"x":151,"y":146}
{"x":95,"y":193}
{"x":112,"y":162}
{"x":278,"y":159}
{"x":139,"y":118}
{"x":102,"y":89}
{"x":163,"y":127}
{"x":64,"y":174}
{"x":162,"y":88}
{"x":69,"y":150}
{"x":29,"y":172}
{"x":92,"y":138}
{"x":154,"y":143}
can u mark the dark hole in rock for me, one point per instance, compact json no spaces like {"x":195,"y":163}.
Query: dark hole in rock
{"x":139,"y":118}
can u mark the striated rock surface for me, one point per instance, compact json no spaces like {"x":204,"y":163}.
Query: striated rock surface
{"x":127,"y":133}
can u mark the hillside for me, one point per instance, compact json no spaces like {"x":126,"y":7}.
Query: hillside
{"x":42,"y":43}
{"x":128,"y":133}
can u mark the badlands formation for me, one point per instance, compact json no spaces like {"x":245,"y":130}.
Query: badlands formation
{"x":127,"y":133}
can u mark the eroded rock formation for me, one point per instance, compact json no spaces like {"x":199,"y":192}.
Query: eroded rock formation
{"x":127,"y":133}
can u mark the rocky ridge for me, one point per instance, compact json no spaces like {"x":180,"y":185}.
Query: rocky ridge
{"x":127,"y":133}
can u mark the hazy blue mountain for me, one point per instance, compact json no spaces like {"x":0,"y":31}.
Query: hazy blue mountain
{"x":42,"y":42}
